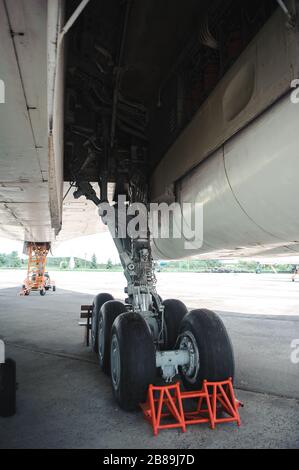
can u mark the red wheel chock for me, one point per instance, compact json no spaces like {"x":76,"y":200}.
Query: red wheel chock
{"x":164,"y":408}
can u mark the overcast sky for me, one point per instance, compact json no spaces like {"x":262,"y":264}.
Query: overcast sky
{"x":84,"y":247}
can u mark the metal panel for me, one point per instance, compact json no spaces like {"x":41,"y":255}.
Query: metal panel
{"x":55,"y":109}
{"x":249,"y":190}
{"x":80,"y":217}
{"x":262,"y":168}
{"x":29,"y":17}
{"x":266,"y":73}
{"x":23,"y":131}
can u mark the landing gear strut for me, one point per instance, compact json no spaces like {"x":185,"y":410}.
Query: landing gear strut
{"x":144,"y":335}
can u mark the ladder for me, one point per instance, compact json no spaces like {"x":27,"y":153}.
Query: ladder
{"x":37,"y":258}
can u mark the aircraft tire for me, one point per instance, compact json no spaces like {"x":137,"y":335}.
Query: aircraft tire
{"x":203,"y":333}
{"x":174,"y":312}
{"x":108,"y":313}
{"x":133,"y":360}
{"x":98,"y":301}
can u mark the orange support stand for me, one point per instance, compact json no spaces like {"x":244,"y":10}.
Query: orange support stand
{"x":223,"y":400}
{"x":203,"y":412}
{"x":167,"y":411}
{"x":155,"y":408}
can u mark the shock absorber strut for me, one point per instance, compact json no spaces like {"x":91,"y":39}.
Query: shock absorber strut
{"x":134,"y":252}
{"x":138,"y":265}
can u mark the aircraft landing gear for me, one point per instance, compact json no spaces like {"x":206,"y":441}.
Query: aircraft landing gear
{"x":136,"y":339}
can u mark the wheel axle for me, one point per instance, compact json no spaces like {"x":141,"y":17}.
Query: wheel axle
{"x":170,"y":361}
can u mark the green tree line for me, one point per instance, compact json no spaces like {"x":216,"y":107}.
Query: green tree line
{"x":12,"y":260}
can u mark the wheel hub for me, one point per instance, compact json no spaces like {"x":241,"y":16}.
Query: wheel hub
{"x":188,"y":343}
{"x":101,"y":338}
{"x":115,"y":362}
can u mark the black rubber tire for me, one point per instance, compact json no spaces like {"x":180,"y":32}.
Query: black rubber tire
{"x":98,"y":301}
{"x":54,"y":288}
{"x":8,"y":388}
{"x":137,"y":360}
{"x":174,"y":312}
{"x":216,"y":356}
{"x":42,"y":292}
{"x":108,"y":313}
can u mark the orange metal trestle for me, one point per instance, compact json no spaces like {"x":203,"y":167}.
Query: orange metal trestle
{"x":215,"y":404}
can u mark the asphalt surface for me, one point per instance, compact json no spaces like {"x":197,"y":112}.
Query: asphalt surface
{"x":64,"y":401}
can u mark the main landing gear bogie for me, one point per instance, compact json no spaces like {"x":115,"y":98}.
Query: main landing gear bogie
{"x":199,"y":349}
{"x":144,"y":336}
